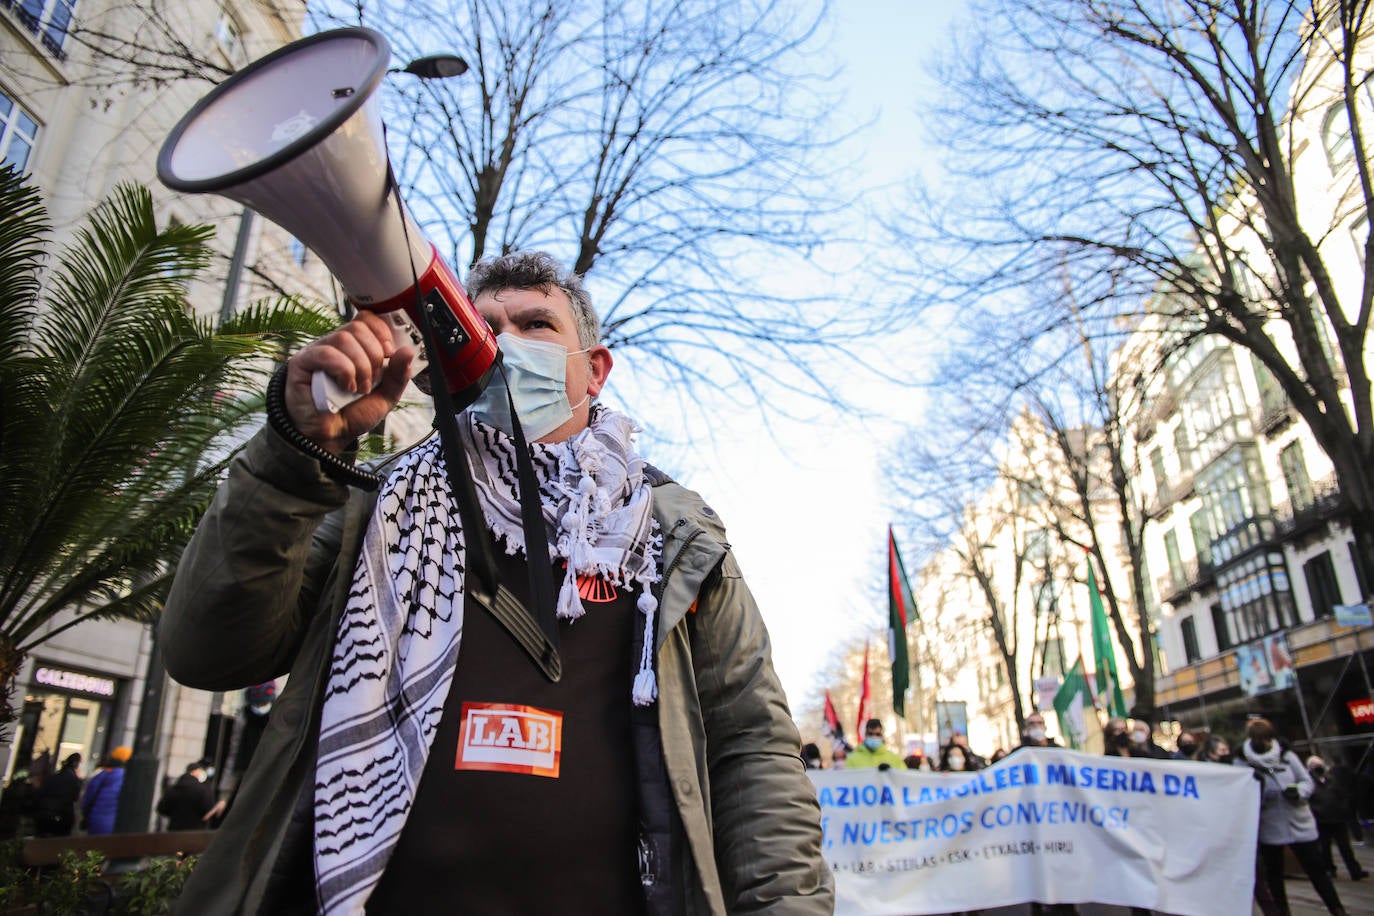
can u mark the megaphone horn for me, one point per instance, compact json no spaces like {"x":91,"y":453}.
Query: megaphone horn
{"x":297,"y":137}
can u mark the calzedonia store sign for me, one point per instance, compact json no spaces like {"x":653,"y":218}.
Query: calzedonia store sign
{"x":74,"y":681}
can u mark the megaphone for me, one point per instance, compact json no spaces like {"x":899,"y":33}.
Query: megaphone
{"x":297,"y":136}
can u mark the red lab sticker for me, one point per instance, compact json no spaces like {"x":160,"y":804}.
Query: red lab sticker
{"x":507,"y":738}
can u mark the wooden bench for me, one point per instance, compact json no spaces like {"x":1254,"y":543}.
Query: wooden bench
{"x":115,"y":846}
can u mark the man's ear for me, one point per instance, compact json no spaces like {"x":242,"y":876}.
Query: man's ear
{"x":601,"y":362}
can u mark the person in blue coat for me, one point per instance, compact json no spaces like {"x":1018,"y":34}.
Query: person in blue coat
{"x":100,"y":801}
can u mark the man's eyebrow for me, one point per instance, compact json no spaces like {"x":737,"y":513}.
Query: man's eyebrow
{"x":536,"y":311}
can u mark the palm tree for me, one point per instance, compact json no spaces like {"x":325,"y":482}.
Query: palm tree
{"x":118,"y":411}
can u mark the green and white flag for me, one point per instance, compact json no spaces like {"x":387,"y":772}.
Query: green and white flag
{"x":1108,"y":683}
{"x":1071,"y":704}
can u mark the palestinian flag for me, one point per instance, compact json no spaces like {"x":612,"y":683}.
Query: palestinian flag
{"x":901,"y":607}
{"x":831,"y":727}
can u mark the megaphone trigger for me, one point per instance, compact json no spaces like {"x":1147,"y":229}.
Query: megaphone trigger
{"x":329,"y":397}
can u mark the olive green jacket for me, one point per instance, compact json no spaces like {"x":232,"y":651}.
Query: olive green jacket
{"x":259,"y":593}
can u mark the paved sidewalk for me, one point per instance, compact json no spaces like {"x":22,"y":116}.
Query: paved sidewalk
{"x":1357,"y":896}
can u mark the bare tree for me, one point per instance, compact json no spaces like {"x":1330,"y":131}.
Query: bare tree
{"x":1149,"y":152}
{"x":950,"y":487}
{"x":674,"y":153}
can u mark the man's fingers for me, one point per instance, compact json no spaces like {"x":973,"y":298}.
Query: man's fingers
{"x":396,"y":375}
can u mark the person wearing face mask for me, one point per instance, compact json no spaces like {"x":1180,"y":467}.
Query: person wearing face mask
{"x":1034,"y":733}
{"x":1187,"y":747}
{"x":1331,"y":802}
{"x":187,"y":804}
{"x":426,"y":753}
{"x":1285,"y":815}
{"x":873,"y":752}
{"x":1142,"y":744}
{"x":956,"y":759}
{"x":1215,"y":749}
{"x":956,"y":756}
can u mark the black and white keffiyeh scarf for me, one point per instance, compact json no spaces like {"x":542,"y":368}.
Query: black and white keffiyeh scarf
{"x":400,"y":631}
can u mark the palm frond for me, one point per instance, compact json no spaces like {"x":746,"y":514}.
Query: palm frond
{"x":121,"y":410}
{"x":23,"y":223}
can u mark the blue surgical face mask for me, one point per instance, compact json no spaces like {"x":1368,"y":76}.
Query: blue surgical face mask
{"x":537,"y":373}
{"x":873,"y":743}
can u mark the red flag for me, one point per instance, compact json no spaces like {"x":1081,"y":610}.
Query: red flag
{"x":864,"y":708}
{"x":832,"y":728}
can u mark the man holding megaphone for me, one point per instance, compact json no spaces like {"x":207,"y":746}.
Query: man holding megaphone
{"x":426,"y":755}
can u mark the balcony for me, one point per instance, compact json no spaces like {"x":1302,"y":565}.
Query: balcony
{"x":1195,"y":577}
{"x":1324,"y":504}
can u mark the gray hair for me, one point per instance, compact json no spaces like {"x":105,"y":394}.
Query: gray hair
{"x":537,"y":270}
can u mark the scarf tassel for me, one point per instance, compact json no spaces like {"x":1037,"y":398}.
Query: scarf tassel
{"x":646,"y":684}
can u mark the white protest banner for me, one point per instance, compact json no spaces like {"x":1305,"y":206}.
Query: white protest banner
{"x":1043,"y":824}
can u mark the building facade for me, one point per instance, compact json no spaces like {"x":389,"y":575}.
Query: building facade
{"x":89,"y":89}
{"x":1255,"y":578}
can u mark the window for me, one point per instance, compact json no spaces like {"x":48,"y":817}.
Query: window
{"x":230,"y":38}
{"x":1295,"y":476}
{"x":1256,"y":596}
{"x":1190,"y":649}
{"x":1176,"y":574}
{"x":1149,"y":595}
{"x":1359,"y":570}
{"x":298,"y":251}
{"x":1272,"y":398}
{"x":47,"y":20}
{"x":1201,"y":526}
{"x":1183,"y":448}
{"x":1322,"y":587}
{"x":1161,"y":478}
{"x":1219,"y":628}
{"x":1336,"y":138}
{"x":1233,"y":490}
{"x":17,"y":133}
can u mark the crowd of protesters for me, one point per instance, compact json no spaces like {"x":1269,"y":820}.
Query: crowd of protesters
{"x":1311,"y":808}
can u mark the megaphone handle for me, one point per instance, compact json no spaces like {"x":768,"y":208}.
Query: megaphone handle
{"x":329,"y":397}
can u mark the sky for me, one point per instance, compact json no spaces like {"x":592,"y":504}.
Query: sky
{"x":819,"y":483}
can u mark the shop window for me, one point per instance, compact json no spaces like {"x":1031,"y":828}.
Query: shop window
{"x":1322,"y":588}
{"x":55,"y":725}
{"x":18,"y":131}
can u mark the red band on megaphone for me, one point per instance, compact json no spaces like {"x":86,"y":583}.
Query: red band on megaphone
{"x":465,"y":342}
